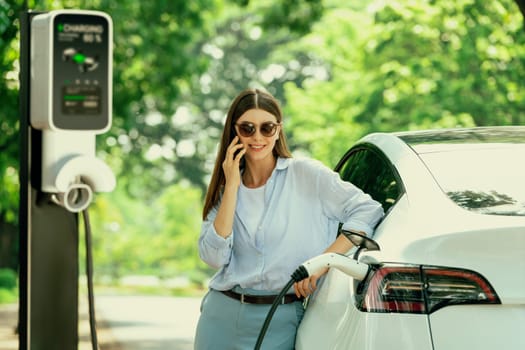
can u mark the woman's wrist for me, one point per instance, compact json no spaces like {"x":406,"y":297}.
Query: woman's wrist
{"x":341,"y":245}
{"x":229,"y":186}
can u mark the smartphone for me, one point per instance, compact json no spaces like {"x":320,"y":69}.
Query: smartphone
{"x":242,"y":161}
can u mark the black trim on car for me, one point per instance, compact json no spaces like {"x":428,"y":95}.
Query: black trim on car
{"x":365,"y":146}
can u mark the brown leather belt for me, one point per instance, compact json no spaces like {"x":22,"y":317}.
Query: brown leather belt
{"x":260,"y":299}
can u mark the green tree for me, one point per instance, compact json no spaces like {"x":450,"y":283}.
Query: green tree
{"x":177,"y":211}
{"x":173,"y":84}
{"x":410,"y":65}
{"x":159,"y":54}
{"x":367,"y":66}
{"x":133,"y":237}
{"x":9,"y":140}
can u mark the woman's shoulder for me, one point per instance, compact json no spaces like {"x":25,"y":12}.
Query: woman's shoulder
{"x":306,"y":164}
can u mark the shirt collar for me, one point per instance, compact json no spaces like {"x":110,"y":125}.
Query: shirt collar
{"x":282,"y":163}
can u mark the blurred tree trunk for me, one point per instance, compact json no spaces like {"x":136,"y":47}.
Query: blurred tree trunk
{"x":521,"y":5}
{"x":8,"y":245}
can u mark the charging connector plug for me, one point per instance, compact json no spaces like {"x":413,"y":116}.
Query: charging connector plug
{"x":341,"y":262}
{"x":349,"y":266}
{"x":300,"y":274}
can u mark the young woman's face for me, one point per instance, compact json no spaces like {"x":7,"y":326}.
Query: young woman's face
{"x":258,"y":131}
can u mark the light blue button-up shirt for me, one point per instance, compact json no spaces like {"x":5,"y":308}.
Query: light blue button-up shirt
{"x":304,"y":203}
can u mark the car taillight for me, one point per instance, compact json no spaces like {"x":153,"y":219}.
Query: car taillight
{"x":422,"y":289}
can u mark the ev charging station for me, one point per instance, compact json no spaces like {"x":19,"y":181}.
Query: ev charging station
{"x":65,"y":101}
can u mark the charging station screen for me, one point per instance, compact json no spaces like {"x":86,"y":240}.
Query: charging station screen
{"x":81,"y":100}
{"x":80,"y":71}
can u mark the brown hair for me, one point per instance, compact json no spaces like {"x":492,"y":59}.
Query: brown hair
{"x":246,"y":100}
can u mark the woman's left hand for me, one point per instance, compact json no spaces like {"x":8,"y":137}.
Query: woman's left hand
{"x":307,"y":286}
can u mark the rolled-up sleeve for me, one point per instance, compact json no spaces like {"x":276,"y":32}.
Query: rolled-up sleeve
{"x":214,"y":249}
{"x":347,"y":203}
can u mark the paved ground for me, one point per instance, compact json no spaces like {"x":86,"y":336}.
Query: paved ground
{"x":151,"y":322}
{"x":8,"y":319}
{"x":125,"y":323}
{"x":9,"y":337}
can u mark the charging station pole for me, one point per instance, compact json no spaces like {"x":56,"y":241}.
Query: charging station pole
{"x":48,"y":312}
{"x":65,"y":101}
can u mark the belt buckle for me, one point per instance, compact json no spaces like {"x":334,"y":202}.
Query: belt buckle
{"x":242,"y":298}
{"x":283,"y":300}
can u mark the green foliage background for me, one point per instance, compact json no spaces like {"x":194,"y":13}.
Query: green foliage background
{"x":340,"y":68}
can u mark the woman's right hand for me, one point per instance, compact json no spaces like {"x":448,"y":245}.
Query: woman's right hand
{"x":223,"y":222}
{"x":231,"y":163}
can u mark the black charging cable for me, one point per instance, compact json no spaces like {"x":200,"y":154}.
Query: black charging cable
{"x":89,"y":275}
{"x":300,"y":274}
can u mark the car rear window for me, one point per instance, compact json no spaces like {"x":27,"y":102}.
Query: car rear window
{"x":488,"y":178}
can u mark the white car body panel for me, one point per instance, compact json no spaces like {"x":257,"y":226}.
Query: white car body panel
{"x":333,"y":322}
{"x":425,"y":227}
{"x":485,"y":239}
{"x":474,"y":327}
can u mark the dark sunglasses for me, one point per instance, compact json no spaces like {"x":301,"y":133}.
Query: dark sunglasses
{"x":247,"y":129}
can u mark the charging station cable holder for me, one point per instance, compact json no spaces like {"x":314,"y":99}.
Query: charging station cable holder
{"x":71,"y":171}
{"x":78,"y":178}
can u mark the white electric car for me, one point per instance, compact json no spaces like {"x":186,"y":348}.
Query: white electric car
{"x":450,"y":272}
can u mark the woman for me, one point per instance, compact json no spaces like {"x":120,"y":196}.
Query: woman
{"x":265,"y":214}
